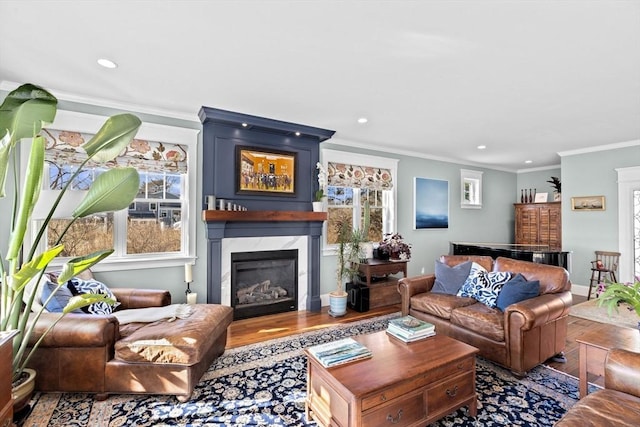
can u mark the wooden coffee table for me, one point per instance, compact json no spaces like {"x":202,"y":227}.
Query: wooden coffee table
{"x":596,"y":343}
{"x":409,"y":384}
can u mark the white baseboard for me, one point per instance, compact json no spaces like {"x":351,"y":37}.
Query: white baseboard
{"x":579,"y":290}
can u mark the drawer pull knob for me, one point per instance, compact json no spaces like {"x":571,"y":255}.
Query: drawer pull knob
{"x":383,"y":398}
{"x":452,"y":393}
{"x":396,"y":420}
{"x":459,"y":365}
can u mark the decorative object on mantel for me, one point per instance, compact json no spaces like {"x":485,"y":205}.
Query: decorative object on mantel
{"x":557,"y":186}
{"x":188,"y":278}
{"x":319,"y":194}
{"x":396,"y":248}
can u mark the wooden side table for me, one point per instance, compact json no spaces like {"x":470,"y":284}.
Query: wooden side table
{"x":384,"y":292}
{"x":6,"y":366}
{"x":596,"y":343}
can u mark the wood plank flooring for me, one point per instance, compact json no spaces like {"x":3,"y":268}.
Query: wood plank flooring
{"x":258,"y":329}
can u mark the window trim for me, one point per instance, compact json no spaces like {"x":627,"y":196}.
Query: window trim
{"x":328,"y":155}
{"x":91,"y":123}
{"x":474,"y":179}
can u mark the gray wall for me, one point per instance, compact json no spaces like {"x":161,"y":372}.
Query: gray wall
{"x":583,"y":232}
{"x":537,"y":179}
{"x":492,"y":223}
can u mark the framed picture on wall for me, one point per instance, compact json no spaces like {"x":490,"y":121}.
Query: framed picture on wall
{"x":262,"y":171}
{"x":430,"y":203}
{"x":587,"y":203}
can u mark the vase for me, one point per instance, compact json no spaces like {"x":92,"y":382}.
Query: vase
{"x":22,"y":392}
{"x":317,"y":206}
{"x":337,"y":304}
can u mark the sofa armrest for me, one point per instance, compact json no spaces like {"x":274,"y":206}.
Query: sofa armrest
{"x":141,"y":298}
{"x":622,"y":371}
{"x":76,"y":330}
{"x":410,"y":286}
{"x":533,"y":312}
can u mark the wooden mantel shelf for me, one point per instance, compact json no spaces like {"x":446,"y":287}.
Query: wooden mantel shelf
{"x":263,"y":216}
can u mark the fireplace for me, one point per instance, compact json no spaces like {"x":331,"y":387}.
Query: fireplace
{"x":264,"y":282}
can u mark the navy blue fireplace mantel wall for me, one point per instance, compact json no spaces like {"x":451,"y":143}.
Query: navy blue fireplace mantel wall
{"x":223,"y":131}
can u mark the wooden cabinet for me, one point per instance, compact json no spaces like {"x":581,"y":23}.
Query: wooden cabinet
{"x":6,"y":356}
{"x":383,"y":292}
{"x":539,"y":224}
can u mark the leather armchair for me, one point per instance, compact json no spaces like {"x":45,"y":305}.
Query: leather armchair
{"x":619,"y":403}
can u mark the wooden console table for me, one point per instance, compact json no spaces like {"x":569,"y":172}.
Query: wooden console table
{"x":411,"y":384}
{"x":596,"y":343}
{"x":383,"y":292}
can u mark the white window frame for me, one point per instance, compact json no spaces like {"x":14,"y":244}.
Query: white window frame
{"x":628,"y":181}
{"x":474,"y":180}
{"x":91,"y":123}
{"x":390,"y":225}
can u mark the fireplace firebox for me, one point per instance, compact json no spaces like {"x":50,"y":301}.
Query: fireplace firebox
{"x":264,"y":282}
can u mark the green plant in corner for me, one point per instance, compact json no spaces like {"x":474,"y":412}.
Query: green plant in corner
{"x":555,"y":183}
{"x":350,"y":248}
{"x":22,"y":115}
{"x":612,"y":295}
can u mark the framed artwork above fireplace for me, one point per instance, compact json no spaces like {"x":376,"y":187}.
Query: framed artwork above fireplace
{"x":261,"y":171}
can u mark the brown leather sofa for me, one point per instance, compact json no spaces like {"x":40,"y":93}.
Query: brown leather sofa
{"x":525,"y":335}
{"x":619,"y":403}
{"x":95,"y":354}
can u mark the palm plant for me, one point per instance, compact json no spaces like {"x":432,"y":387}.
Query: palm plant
{"x":22,"y":115}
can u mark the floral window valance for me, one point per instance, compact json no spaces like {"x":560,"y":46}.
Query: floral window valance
{"x":344,"y":175}
{"x":63,"y":148}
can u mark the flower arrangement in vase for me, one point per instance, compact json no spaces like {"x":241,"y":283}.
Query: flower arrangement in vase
{"x":319,"y":194}
{"x":394,"y":245}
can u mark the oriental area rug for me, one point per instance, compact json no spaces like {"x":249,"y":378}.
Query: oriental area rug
{"x":265,"y":384}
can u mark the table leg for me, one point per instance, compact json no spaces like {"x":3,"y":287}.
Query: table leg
{"x":583,"y":371}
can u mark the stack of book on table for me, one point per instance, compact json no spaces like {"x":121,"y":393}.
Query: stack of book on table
{"x":408,"y":328}
{"x":338,"y":352}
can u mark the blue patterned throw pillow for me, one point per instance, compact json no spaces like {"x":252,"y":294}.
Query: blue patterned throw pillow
{"x":473,"y":282}
{"x":79,"y":287}
{"x":484,"y":285}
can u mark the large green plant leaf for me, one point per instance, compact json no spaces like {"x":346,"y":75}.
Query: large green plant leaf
{"x":75,"y":266}
{"x":29,"y":197}
{"x":84,"y":300}
{"x":29,"y":270}
{"x":114,"y":135}
{"x":24,"y":110}
{"x":5,"y":149}
{"x":111,"y":191}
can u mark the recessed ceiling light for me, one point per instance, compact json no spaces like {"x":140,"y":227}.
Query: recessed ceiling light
{"x":107,"y":63}
{"x":244,"y":125}
{"x":363,"y":120}
{"x":297,"y":133}
{"x":481,"y":147}
{"x":528,"y":161}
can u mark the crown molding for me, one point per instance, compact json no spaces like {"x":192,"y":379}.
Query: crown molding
{"x":597,"y":148}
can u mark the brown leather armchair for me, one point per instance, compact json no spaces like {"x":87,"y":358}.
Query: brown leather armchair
{"x":619,"y":403}
{"x":95,"y":354}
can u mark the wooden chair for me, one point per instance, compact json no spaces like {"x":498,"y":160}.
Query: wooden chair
{"x":605,"y":264}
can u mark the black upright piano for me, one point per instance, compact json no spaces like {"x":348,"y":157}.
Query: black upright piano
{"x":535,"y":253}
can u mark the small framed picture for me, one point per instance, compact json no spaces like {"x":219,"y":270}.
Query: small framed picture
{"x":587,"y":203}
{"x":541,"y":198}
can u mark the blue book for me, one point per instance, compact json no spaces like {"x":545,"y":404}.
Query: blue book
{"x":411,"y":326}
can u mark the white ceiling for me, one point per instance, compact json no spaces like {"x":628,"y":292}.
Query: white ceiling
{"x":528,"y":79}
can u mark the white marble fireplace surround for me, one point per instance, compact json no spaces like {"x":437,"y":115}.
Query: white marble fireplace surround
{"x":254,"y":244}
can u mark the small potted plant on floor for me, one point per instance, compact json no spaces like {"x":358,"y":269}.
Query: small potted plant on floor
{"x":22,"y":115}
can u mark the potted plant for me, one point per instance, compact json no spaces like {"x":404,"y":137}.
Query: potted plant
{"x":612,"y":295}
{"x":22,"y":114}
{"x":557,"y":186}
{"x":349,"y":254}
{"x":394,"y":246}
{"x":318,"y":195}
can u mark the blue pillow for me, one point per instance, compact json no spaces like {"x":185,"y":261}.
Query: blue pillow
{"x":516,"y":290}
{"x":449,"y":280}
{"x":79,"y":287}
{"x":475,"y":280}
{"x":60,"y":298}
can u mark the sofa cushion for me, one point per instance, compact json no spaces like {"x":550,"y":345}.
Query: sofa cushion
{"x":79,"y":286}
{"x":552,"y":278}
{"x":183,"y":341}
{"x":485,"y":286}
{"x":517,"y":289}
{"x":479,"y":318}
{"x":440,"y":305}
{"x":449,"y":280}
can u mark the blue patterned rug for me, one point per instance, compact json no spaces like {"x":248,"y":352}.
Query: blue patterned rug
{"x":265,"y":384}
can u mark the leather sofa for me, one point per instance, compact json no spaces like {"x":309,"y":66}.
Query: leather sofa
{"x":618,"y":404}
{"x":95,"y":354}
{"x":526,"y":334}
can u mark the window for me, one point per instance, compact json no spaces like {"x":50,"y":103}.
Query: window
{"x":155,"y":228}
{"x":352,"y":180}
{"x":471,"y":189}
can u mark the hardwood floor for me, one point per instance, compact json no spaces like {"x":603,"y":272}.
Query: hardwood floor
{"x":258,"y":329}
